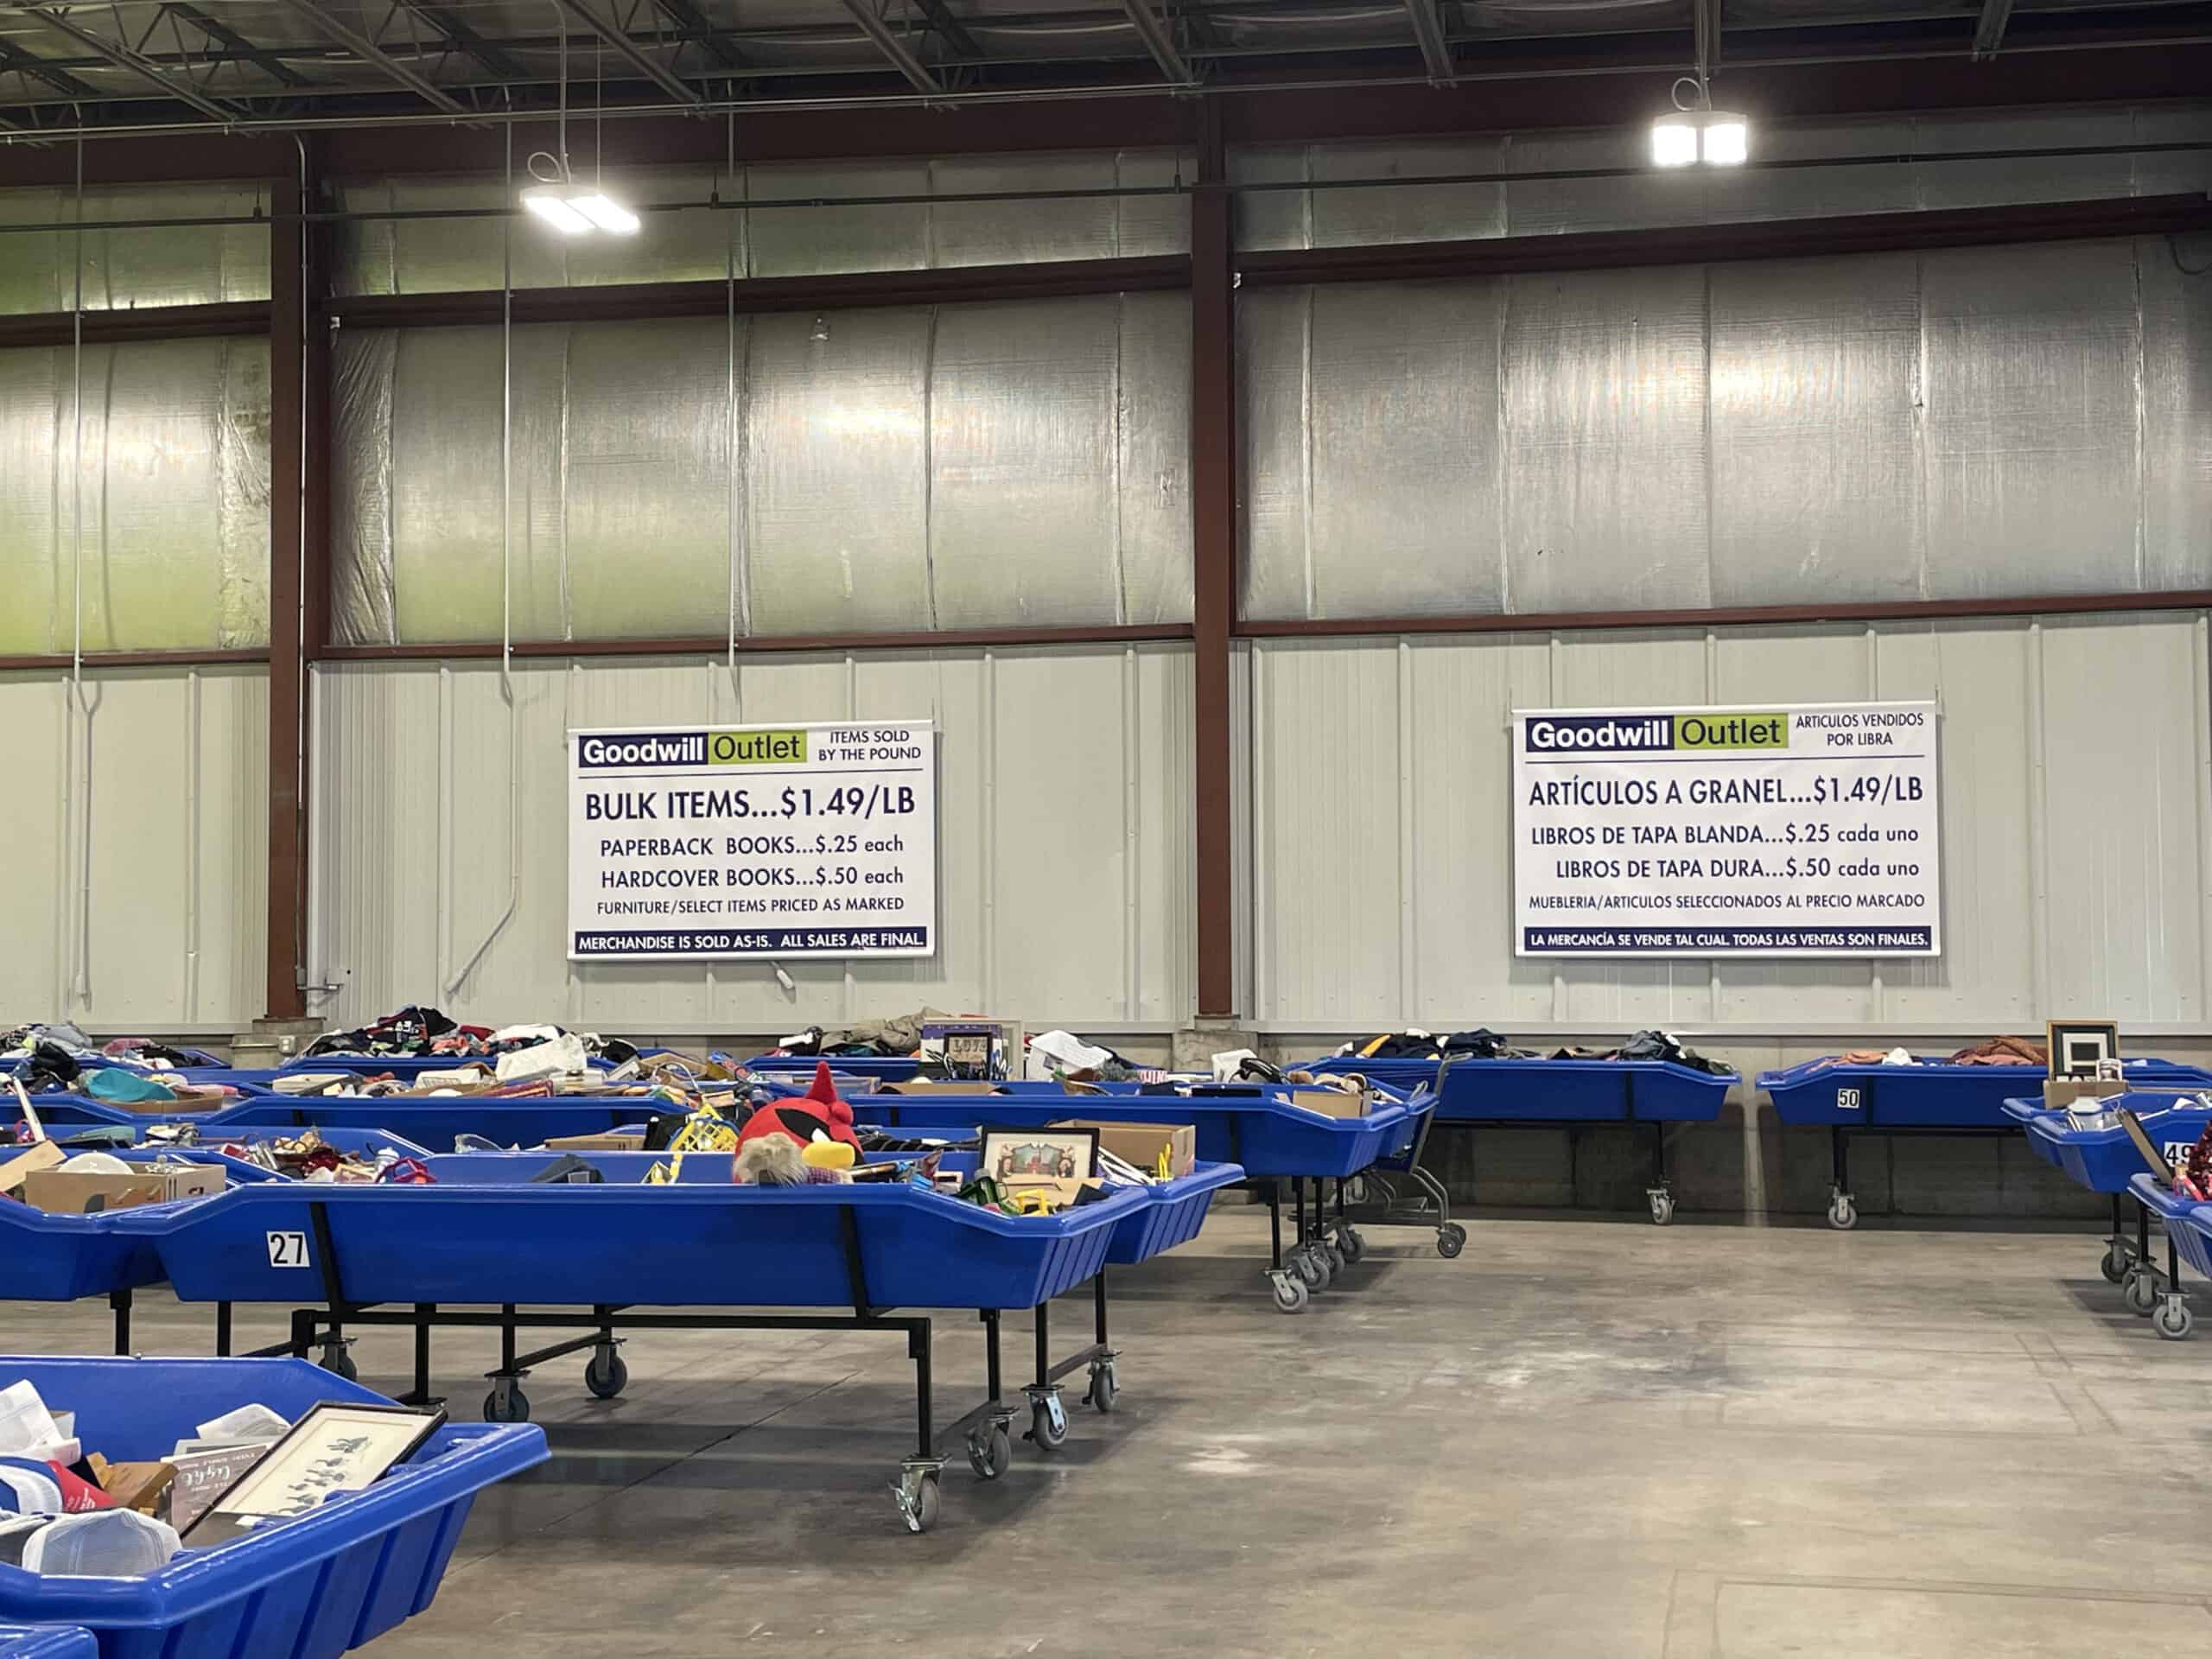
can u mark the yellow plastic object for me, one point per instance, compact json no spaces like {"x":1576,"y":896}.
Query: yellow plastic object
{"x":704,"y":1132}
{"x":830,"y":1154}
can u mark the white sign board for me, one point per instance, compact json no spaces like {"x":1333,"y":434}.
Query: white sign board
{"x":754,"y":841}
{"x":1726,"y":832}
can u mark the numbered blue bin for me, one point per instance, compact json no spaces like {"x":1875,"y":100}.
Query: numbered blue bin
{"x":310,"y":1588}
{"x":702,"y":1243}
{"x":59,"y":1258}
{"x":2094,"y":1150}
{"x":1931,"y":1095}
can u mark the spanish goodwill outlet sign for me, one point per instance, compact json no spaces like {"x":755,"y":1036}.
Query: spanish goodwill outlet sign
{"x":1800,"y":832}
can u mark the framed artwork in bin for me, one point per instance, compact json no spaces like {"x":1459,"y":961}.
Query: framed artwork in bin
{"x":338,"y":1446}
{"x":1059,"y":1161}
{"x":2078,"y":1048}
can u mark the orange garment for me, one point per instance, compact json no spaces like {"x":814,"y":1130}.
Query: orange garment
{"x":2002,"y":1051}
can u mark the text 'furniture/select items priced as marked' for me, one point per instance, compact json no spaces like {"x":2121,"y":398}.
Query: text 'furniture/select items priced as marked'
{"x":654,"y":870}
{"x":1788,"y":832}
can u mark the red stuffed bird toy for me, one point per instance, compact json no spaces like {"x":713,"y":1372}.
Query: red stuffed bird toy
{"x":821,"y":1123}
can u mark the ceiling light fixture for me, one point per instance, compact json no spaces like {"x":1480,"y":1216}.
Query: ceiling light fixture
{"x":556,"y":197}
{"x":1698,"y":132}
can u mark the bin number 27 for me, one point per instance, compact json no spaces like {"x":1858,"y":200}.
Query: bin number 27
{"x":287,"y":1249}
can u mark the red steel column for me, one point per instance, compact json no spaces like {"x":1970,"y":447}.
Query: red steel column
{"x":1213,"y":525}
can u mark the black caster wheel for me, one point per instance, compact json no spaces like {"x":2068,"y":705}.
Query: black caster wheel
{"x":1663,"y":1209}
{"x":2140,"y":1292}
{"x":2114,"y":1265}
{"x":1048,"y":1423}
{"x":1352,"y":1246}
{"x":606,"y":1376}
{"x":1843,"y":1215}
{"x":1451,"y":1239}
{"x":1103,"y":1387}
{"x":1291,"y":1295}
{"x":509,"y":1405}
{"x":2173,"y":1319}
{"x":989,"y":1454}
{"x":339,"y":1362}
{"x":918,"y":1498}
{"x":1312,"y":1270}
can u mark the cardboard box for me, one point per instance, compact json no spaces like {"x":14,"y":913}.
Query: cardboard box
{"x":140,"y":1486}
{"x":937,"y":1086}
{"x":186,"y":1098}
{"x":67,"y":1194}
{"x":43,"y":1154}
{"x":2064,"y":1091}
{"x":1141,"y":1144}
{"x":1330,"y":1103}
{"x":203,"y":1477}
{"x":608,"y":1142}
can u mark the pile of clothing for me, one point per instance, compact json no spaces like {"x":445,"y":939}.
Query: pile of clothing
{"x":1483,"y":1044}
{"x":418,"y":1033}
{"x":307,"y":1157}
{"x":1998,"y":1051}
{"x":897,"y":1038}
{"x":1414,"y":1044}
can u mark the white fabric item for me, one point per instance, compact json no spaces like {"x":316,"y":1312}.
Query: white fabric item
{"x":564,"y":1055}
{"x":1225,"y":1064}
{"x":248,"y":1425}
{"x":101,"y":1543}
{"x":30,"y":1492}
{"x":26,"y":1427}
{"x":93,"y":1163}
{"x":1899,"y":1057}
{"x":459,"y":1077}
{"x":516,"y":1033}
{"x":1063,"y":1051}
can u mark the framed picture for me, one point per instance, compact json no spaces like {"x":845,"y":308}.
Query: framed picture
{"x":338,"y":1446}
{"x":2078,"y":1048}
{"x":1061,"y":1159}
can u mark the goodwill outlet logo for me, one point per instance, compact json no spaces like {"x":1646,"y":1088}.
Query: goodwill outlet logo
{"x":748,"y":748}
{"x":1618,"y":735}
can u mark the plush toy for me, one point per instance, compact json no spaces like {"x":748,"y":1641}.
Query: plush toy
{"x":818,"y":1121}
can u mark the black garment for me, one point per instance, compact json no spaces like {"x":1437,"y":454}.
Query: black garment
{"x":49,"y":1067}
{"x":1658,"y":1046}
{"x":1483,"y":1044}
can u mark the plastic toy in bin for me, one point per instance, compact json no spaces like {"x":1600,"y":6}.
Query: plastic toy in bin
{"x":818,"y":1121}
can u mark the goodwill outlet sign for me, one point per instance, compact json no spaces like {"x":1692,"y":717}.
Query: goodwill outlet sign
{"x":754,"y":841}
{"x":1726,"y":832}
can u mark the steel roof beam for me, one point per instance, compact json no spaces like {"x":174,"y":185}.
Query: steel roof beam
{"x":1989,"y":32}
{"x":30,"y":64}
{"x":260,"y":56}
{"x":486,"y":55}
{"x":918,"y":74}
{"x":630,"y":52}
{"x":124,"y":58}
{"x":1161,"y":45}
{"x":375,"y":56}
{"x":1429,"y":29}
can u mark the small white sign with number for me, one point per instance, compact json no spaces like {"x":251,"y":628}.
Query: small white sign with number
{"x":287,"y":1249}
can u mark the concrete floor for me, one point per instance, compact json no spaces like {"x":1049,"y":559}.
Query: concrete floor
{"x":1584,"y":1437}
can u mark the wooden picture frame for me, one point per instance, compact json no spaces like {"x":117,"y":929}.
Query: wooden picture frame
{"x":337,"y":1446}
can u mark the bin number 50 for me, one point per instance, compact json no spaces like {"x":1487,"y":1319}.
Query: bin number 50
{"x":287,"y":1249}
{"x":1847,"y":1100}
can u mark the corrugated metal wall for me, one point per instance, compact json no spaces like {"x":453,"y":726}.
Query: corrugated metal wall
{"x":954,"y":466}
{"x":1977,"y":421}
{"x":1065,"y":874}
{"x":2077,"y":826}
{"x":168,"y":935}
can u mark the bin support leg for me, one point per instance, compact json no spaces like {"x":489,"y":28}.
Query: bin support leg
{"x":120,"y":1301}
{"x":1275,"y":1225}
{"x":1043,"y":1344}
{"x":303,"y":1332}
{"x":421,"y":1397}
{"x":918,"y":1350}
{"x":1098,"y":1301}
{"x":993,"y":1372}
{"x":222,"y":1330}
{"x":2143,"y":1235}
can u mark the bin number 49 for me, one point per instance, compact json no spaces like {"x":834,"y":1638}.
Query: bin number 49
{"x":287,"y":1249}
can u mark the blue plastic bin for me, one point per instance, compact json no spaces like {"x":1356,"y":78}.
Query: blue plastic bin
{"x":55,"y":1258}
{"x":1934,"y":1095}
{"x":889,"y":1068}
{"x":2095,"y":1151}
{"x":309,"y":1589}
{"x":46,"y":1641}
{"x":1532,"y":1091}
{"x":434,"y":1121}
{"x":1254,"y":1127}
{"x":2187,"y":1222}
{"x":702,"y":1243}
